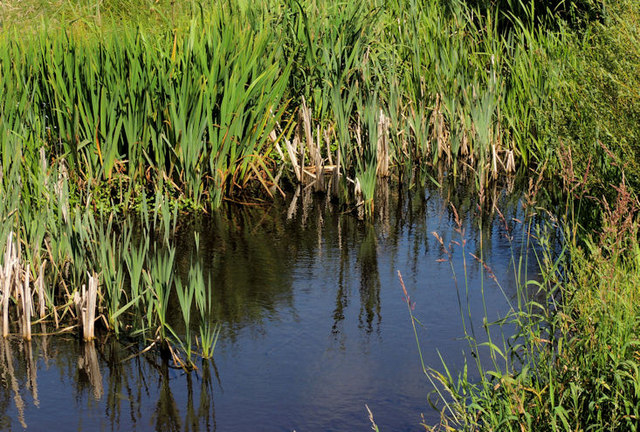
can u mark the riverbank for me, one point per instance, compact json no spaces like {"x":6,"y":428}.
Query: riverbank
{"x":116,"y":120}
{"x":574,"y":363}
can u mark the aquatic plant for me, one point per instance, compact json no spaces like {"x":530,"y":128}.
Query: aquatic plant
{"x":199,"y":111}
{"x":112,"y":121}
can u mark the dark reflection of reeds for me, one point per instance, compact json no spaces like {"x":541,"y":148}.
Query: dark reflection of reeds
{"x":9,"y":376}
{"x":206,"y":409}
{"x":369,"y":316}
{"x":19,"y":363}
{"x":89,"y":369}
{"x":109,"y":373}
{"x":248,"y":253}
{"x":126,"y":383}
{"x":32,"y":372}
{"x":167,"y":415}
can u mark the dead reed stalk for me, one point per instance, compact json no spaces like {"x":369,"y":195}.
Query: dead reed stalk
{"x":314,"y":148}
{"x":382,"y":169}
{"x":6,"y":276}
{"x":25,"y":302}
{"x":39,"y":284}
{"x":86,"y":307}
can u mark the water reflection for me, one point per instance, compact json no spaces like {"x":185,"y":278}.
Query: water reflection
{"x":250,"y":253}
{"x":313,"y":322}
{"x":109,"y":391}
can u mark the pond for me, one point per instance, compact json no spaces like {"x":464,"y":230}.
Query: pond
{"x":314,"y":323}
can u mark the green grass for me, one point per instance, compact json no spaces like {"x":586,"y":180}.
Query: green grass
{"x":201,"y":105}
{"x":574,"y":362}
{"x":116,"y":116}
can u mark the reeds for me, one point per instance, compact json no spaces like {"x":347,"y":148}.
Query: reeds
{"x":137,"y":309}
{"x":104,"y":124}
{"x":85,"y":304}
{"x":7,"y":281}
{"x":200,"y":110}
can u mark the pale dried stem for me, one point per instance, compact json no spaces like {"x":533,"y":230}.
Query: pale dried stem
{"x":382,"y":169}
{"x":40,"y":288}
{"x":85,"y":304}
{"x":25,"y":300}
{"x":6,"y":278}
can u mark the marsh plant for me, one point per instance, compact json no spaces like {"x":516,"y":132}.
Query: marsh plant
{"x":116,"y":117}
{"x":125,"y":286}
{"x":565,"y":356}
{"x":231,"y":100}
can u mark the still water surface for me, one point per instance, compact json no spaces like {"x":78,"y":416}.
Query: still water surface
{"x":315,"y":325}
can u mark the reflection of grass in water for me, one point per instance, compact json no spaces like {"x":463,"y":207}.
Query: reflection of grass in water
{"x":105,"y":373}
{"x":134,"y":107}
{"x":571,"y":361}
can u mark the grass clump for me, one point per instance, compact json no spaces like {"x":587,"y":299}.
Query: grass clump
{"x":573,"y":363}
{"x":597,"y":102}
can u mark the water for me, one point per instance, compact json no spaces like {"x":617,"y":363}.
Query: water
{"x":315,"y":325}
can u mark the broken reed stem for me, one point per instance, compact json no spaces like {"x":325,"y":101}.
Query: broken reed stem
{"x":383,"y":146}
{"x":10,"y":260}
{"x":86,"y":308}
{"x":25,"y":300}
{"x":91,"y":314}
{"x":314,"y":148}
{"x":40,"y":288}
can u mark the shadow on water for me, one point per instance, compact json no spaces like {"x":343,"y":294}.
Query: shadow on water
{"x":99,"y":387}
{"x":313,"y":322}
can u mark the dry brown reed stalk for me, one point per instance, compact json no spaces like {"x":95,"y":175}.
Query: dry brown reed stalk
{"x":86,"y":307}
{"x":530,"y":197}
{"x":374,"y":426}
{"x":439,"y":130}
{"x":293,"y":157}
{"x":25,"y":303}
{"x":382,"y":169}
{"x":327,"y":140}
{"x":511,"y":162}
{"x":39,"y":284}
{"x":7,"y":273}
{"x":314,"y":148}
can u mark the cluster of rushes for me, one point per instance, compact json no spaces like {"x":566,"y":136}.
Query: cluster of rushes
{"x":211,"y":104}
{"x":93,"y":271}
{"x":106,"y":119}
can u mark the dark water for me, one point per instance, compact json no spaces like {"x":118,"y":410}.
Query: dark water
{"x":314,"y":325}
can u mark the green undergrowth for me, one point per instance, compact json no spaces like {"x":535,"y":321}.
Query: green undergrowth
{"x":238,"y":100}
{"x":597,"y":104}
{"x":574,"y":362}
